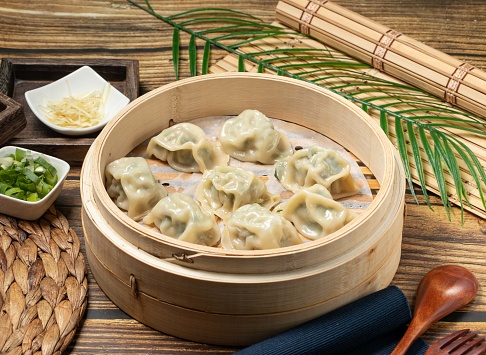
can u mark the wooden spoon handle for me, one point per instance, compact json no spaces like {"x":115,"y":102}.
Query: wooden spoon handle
{"x":414,"y":331}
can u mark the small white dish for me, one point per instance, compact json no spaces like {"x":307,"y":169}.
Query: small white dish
{"x":81,"y":81}
{"x":33,"y":210}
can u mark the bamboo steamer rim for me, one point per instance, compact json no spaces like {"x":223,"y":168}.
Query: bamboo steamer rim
{"x":390,"y":175}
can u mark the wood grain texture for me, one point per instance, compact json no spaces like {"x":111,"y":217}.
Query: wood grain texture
{"x":12,"y":118}
{"x":115,"y":30}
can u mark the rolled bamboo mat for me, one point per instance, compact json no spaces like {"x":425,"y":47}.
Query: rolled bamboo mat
{"x":402,"y":57}
{"x":43,"y":285}
{"x":326,"y":78}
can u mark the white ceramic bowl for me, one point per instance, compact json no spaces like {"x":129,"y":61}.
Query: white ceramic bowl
{"x":83,"y":80}
{"x":33,"y":210}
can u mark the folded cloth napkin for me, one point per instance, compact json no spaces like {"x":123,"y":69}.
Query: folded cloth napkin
{"x":372,"y":325}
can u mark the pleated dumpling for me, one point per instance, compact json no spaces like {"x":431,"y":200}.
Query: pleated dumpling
{"x":179,"y":216}
{"x":185,"y":148}
{"x":226,"y":188}
{"x":314,"y":213}
{"x":316,"y":165}
{"x":132,"y":186}
{"x":253,"y":227}
{"x":252,"y":137}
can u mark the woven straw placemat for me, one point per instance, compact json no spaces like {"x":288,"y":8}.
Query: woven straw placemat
{"x":43,"y":285}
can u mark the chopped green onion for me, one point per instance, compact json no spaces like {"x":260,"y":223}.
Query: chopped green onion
{"x":42,"y":162}
{"x":13,"y":191}
{"x":4,"y":187}
{"x":39,"y":170}
{"x":6,"y":162}
{"x":27,"y":186}
{"x":19,"y":154}
{"x":26,"y":178}
{"x":29,"y":175}
{"x":50,"y":179}
{"x":32,"y":197}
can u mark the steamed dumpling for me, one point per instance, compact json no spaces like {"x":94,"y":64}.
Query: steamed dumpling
{"x":314,"y":213}
{"x":130,"y":183}
{"x":251,"y":137}
{"x":316,"y":165}
{"x":226,"y":188}
{"x":253,"y":227}
{"x":185,"y":148}
{"x":179,"y":216}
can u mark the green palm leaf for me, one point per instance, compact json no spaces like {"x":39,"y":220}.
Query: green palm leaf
{"x":206,"y":56}
{"x":193,"y":55}
{"x":384,"y":122}
{"x":472,"y":163}
{"x":241,"y":64}
{"x":417,"y":159}
{"x":402,"y":149}
{"x":423,"y":127}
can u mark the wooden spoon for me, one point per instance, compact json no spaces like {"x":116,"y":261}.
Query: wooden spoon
{"x":442,"y":291}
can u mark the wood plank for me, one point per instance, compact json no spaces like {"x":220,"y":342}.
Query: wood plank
{"x":115,"y":30}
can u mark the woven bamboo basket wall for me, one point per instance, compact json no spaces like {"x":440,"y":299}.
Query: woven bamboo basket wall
{"x":217,"y":296}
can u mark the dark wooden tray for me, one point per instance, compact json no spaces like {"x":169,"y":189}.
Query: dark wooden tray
{"x":12,"y":118}
{"x":20,"y":75}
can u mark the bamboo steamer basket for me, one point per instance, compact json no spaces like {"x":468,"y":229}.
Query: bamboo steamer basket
{"x":236,"y":298}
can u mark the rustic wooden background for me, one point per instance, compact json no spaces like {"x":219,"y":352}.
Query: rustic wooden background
{"x":93,"y":29}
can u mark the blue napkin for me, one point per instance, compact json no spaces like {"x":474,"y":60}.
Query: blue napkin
{"x":372,"y":325}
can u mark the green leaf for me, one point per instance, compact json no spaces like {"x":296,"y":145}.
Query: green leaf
{"x":439,"y":173}
{"x":402,"y":149}
{"x":436,"y":165}
{"x":193,"y":56}
{"x":148,"y":5}
{"x":452,"y":166}
{"x":209,"y":10}
{"x":417,"y":159}
{"x":232,"y":25}
{"x":474,"y":165}
{"x":261,"y":68}
{"x":384,"y":121}
{"x":176,"y":51}
{"x":364,"y":107}
{"x":206,"y":56}
{"x":241,"y":64}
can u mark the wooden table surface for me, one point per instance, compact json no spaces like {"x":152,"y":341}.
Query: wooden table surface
{"x":95,"y":29}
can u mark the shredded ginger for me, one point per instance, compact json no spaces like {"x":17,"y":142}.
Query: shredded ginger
{"x":80,"y":111}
